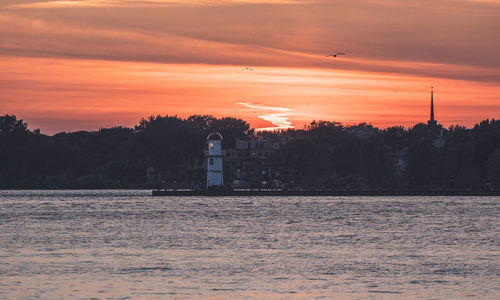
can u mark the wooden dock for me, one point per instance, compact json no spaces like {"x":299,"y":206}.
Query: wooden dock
{"x":284,"y":193}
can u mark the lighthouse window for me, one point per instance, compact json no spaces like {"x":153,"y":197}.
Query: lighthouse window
{"x":211,"y":162}
{"x":210,"y":145}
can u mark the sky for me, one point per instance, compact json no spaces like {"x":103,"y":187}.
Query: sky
{"x":88,"y":64}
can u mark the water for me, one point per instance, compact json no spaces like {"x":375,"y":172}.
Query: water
{"x":126,"y":244}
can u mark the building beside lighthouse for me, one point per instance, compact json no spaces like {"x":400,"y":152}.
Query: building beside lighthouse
{"x":214,"y":160}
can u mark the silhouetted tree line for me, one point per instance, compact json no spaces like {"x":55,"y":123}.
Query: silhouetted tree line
{"x":169,"y":151}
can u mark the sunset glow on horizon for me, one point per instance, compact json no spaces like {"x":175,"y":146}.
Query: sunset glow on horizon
{"x":84,"y":65}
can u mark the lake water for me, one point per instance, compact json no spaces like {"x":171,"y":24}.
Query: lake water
{"x":126,"y":244}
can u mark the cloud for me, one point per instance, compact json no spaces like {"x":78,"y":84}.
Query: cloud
{"x":88,"y":94}
{"x":141,"y":3}
{"x":262,"y":107}
{"x":450,"y":39}
{"x":278,"y":116}
{"x":280,"y":120}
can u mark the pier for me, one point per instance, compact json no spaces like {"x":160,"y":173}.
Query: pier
{"x":305,"y":192}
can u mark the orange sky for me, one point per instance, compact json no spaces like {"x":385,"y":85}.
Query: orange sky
{"x":81,"y":65}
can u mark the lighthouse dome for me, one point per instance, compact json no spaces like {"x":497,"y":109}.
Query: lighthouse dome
{"x":214,"y":136}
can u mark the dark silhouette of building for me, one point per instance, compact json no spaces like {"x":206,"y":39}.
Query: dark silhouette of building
{"x":432,"y":122}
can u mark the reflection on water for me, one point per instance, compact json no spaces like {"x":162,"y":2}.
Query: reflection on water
{"x":126,"y":244}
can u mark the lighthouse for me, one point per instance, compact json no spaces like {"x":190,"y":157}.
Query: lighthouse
{"x":214,"y":162}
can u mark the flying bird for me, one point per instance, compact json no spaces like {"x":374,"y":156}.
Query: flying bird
{"x":335,"y":55}
{"x":249,"y":69}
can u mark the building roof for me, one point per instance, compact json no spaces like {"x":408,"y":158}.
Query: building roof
{"x":214,"y":136}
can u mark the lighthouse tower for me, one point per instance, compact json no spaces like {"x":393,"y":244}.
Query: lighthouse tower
{"x":214,"y":163}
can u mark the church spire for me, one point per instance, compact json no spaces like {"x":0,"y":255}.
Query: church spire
{"x":432,"y":122}
{"x":432,"y":103}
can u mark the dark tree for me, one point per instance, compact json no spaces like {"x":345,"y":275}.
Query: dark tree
{"x":168,"y":150}
{"x":487,"y":140}
{"x":14,"y":142}
{"x":169,"y":144}
{"x":377,"y":164}
{"x":494,"y":169}
{"x":420,"y":164}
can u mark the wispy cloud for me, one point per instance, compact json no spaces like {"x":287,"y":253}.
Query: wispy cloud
{"x":88,"y":94}
{"x":262,"y":107}
{"x":143,"y":3}
{"x":278,"y":116}
{"x":280,"y":120}
{"x":451,"y":39}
